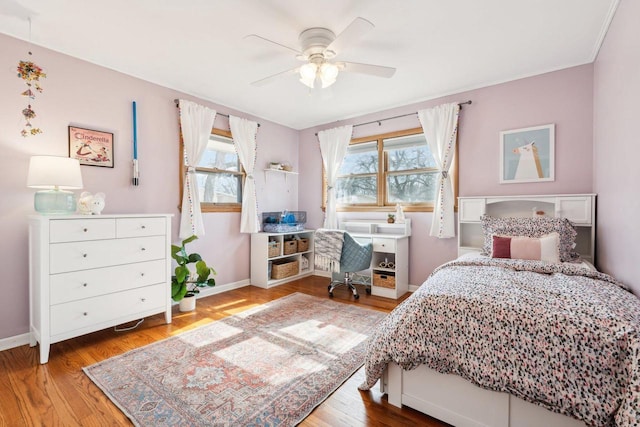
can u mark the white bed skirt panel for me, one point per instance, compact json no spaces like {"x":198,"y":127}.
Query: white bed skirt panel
{"x":454,"y":400}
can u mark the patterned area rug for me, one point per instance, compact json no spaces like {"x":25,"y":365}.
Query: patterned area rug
{"x":268,"y":366}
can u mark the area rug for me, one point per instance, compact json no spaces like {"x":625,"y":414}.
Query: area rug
{"x":268,"y":366}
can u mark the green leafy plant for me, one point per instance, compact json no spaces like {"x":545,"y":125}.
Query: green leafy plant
{"x":184,"y":283}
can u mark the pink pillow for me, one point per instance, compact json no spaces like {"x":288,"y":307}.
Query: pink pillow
{"x":544,"y":248}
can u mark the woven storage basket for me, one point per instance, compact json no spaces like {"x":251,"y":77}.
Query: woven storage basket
{"x":303,"y":245}
{"x":280,"y":270}
{"x":384,"y":280}
{"x":274,"y":250}
{"x":290,"y":247}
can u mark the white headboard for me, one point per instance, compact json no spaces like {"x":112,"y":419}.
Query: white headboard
{"x":580,"y":209}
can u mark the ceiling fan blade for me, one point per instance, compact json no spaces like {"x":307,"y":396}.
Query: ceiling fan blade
{"x":274,"y":77}
{"x":263,"y":41}
{"x":373,"y":70}
{"x":358,"y":28}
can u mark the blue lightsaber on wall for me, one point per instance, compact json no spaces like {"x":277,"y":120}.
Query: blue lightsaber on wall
{"x":136,"y":172}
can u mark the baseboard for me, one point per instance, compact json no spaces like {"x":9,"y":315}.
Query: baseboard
{"x":15,"y":341}
{"x":218,"y":289}
{"x":18,"y":340}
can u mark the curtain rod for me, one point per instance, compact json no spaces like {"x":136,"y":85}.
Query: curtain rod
{"x":177,"y":101}
{"x":397,"y":117}
{"x":403,"y":115}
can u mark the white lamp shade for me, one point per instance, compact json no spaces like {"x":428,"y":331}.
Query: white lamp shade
{"x":308,"y":74}
{"x":54,"y":172}
{"x":328,"y":74}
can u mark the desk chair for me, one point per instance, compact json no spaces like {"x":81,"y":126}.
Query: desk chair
{"x":354,"y":257}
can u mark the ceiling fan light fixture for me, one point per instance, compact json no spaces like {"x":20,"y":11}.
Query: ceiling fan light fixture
{"x":328,"y":74}
{"x":308,"y":74}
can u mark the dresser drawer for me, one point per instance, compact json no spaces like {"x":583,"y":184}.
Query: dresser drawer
{"x":65,"y":287}
{"x":384,"y":245}
{"x":85,"y":313}
{"x":77,"y":230}
{"x":75,"y":256}
{"x":140,"y":227}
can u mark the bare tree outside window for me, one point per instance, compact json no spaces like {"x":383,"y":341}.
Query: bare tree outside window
{"x":384,"y":170}
{"x":219,"y":175}
{"x":357,"y":178}
{"x":411,"y":170}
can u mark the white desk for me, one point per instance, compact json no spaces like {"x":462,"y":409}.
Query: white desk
{"x":390,"y":246}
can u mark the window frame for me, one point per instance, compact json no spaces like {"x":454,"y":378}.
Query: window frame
{"x":207,"y":207}
{"x":382,"y":205}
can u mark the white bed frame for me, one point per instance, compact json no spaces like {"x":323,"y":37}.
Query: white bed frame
{"x":451,"y":398}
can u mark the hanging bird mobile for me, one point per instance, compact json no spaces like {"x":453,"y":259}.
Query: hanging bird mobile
{"x":31,"y":74}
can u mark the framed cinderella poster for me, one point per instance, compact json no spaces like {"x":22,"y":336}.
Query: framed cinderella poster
{"x":91,"y":147}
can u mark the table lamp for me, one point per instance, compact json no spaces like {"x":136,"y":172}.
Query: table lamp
{"x":54,"y":175}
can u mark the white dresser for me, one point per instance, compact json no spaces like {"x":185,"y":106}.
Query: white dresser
{"x":88,"y":273}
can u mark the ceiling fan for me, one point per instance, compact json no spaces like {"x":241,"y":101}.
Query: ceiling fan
{"x":317,"y":47}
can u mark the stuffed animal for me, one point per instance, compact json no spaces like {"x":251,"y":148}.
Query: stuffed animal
{"x":89,"y":204}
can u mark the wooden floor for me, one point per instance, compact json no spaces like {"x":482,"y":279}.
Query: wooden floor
{"x":59,"y":393}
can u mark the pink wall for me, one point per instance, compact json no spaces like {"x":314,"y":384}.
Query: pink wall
{"x":617,"y":175}
{"x":83,"y":94}
{"x":79,"y":93}
{"x":562,"y":97}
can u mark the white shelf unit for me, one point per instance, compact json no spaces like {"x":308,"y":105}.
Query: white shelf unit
{"x":260,"y":260}
{"x":281,"y":171}
{"x":580,"y":209}
{"x":88,"y":273}
{"x":390,"y":245}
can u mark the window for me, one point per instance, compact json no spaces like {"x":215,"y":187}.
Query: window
{"x":219,"y":174}
{"x":381,"y":171}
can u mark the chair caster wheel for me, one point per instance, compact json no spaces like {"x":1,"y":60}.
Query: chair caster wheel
{"x":329,"y":288}
{"x":356,"y":296}
{"x":368,"y":291}
{"x":330,"y":294}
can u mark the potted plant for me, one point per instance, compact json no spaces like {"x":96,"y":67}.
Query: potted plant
{"x":185,"y":284}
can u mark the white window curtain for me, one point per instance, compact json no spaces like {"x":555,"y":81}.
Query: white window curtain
{"x":333,"y":146}
{"x":440,"y":126}
{"x":196,"y":122}
{"x":244,"y":138}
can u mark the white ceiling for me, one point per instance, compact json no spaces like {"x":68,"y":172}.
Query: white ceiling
{"x":439,"y":47}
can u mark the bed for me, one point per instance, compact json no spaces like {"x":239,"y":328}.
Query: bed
{"x":491,"y":340}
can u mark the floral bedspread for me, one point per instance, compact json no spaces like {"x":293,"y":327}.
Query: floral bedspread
{"x":560,"y":336}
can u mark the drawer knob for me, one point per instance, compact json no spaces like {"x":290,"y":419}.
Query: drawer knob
{"x":85,"y":314}
{"x":84,"y":284}
{"x":142,"y":274}
{"x":143,"y":299}
{"x":144,"y":226}
{"x":85,"y":230}
{"x":144,"y":249}
{"x":84,"y":255}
